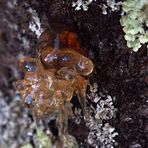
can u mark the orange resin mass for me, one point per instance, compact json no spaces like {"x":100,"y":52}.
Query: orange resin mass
{"x":56,"y":74}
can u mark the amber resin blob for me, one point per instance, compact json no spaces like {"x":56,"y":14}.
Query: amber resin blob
{"x":58,"y":73}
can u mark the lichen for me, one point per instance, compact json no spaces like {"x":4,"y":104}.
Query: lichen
{"x":27,"y":146}
{"x":82,"y":4}
{"x":35,"y":24}
{"x":101,"y":132}
{"x":110,"y":5}
{"x":43,"y":141}
{"x":134,"y":23}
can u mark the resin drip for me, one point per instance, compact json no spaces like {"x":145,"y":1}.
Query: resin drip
{"x":56,"y":75}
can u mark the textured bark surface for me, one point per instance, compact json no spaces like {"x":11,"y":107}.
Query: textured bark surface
{"x":119,"y":71}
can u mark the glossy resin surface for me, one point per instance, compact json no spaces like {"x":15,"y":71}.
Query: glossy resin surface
{"x":57,"y":74}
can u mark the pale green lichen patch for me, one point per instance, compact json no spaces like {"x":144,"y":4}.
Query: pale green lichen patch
{"x":42,"y":139}
{"x":134,"y":23}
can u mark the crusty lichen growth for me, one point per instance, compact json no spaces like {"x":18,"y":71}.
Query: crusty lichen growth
{"x":101,"y":132}
{"x":106,"y":5}
{"x":82,"y":4}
